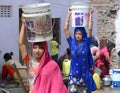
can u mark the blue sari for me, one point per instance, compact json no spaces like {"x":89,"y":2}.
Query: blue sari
{"x":81,"y":63}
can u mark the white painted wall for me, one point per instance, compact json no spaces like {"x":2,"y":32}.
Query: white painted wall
{"x":117,"y":29}
{"x":9,"y":29}
{"x":117,"y":25}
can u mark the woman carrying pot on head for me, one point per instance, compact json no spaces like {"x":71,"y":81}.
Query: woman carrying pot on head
{"x":81,"y":57}
{"x":44,"y":73}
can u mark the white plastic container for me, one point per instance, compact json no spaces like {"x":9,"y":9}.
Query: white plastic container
{"x":80,"y":14}
{"x":38,"y":22}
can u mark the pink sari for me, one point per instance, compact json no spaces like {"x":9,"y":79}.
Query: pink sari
{"x":48,"y":78}
{"x":103,"y":61}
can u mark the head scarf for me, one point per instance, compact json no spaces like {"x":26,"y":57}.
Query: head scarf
{"x":46,"y":56}
{"x":48,"y":78}
{"x":38,"y":43}
{"x":82,"y":30}
{"x":8,"y":56}
{"x":76,"y":50}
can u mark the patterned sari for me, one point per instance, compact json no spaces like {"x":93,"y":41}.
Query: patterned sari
{"x":80,"y":78}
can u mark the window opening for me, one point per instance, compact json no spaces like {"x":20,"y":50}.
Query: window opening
{"x":5,"y":10}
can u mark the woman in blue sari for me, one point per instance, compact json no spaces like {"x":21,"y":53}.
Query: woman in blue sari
{"x":80,"y":76}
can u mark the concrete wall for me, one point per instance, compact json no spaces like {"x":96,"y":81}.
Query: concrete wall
{"x":106,"y":18}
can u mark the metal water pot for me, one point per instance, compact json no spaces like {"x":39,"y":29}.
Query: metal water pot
{"x":106,"y":80}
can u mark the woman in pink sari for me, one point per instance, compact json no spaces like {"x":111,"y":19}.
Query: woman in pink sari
{"x":104,"y":60}
{"x":44,"y":73}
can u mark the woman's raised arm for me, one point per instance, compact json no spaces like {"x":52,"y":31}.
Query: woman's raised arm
{"x":21,"y":43}
{"x":90,"y":22}
{"x":66,"y":26}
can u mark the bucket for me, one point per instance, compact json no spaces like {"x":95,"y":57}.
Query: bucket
{"x":80,"y":14}
{"x":38,"y":22}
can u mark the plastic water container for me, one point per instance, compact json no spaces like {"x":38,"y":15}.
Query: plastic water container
{"x":66,"y":67}
{"x":80,"y":14}
{"x":115,"y":76}
{"x":38,"y":22}
{"x":97,"y":80}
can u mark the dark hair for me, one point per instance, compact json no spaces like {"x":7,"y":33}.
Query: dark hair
{"x":119,"y":53}
{"x":39,"y":44}
{"x":8,"y":56}
{"x":103,"y":42}
{"x":68,"y":51}
{"x":82,"y":30}
{"x":94,"y":41}
{"x":110,"y":44}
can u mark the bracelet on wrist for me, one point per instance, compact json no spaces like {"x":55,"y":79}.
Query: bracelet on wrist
{"x":90,"y":21}
{"x":67,"y":20}
{"x":23,"y":22}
